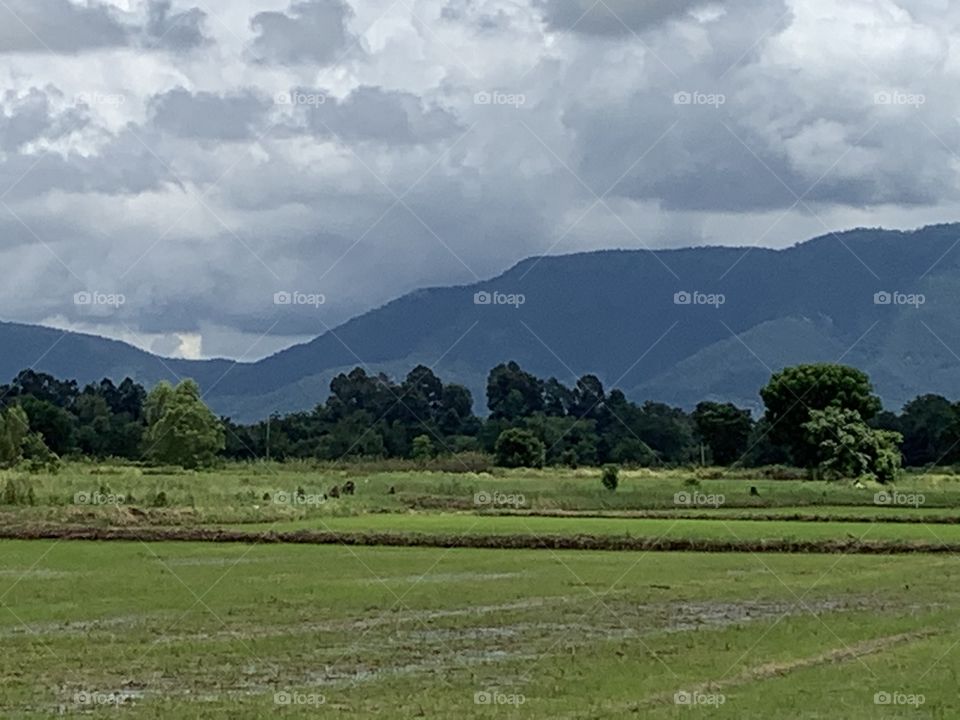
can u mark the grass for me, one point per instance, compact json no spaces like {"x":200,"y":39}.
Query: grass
{"x":184,"y":630}
{"x":227,"y":630}
{"x":466,"y":524}
{"x":248,"y":493}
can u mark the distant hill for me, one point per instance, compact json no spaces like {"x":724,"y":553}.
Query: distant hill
{"x":611,"y":313}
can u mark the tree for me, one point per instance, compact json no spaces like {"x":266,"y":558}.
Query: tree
{"x":422,"y":449}
{"x":57,"y":426}
{"x":519,"y":448}
{"x":725,"y":429}
{"x":182,"y":430}
{"x":14,"y":426}
{"x":793,"y":393}
{"x":513,"y":393}
{"x":928,"y":427}
{"x":848,"y":447}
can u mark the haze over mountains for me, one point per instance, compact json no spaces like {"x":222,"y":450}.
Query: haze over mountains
{"x":622,"y":315}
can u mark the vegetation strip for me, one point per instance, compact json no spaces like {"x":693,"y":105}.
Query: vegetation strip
{"x":492,"y":542}
{"x":764,"y":517}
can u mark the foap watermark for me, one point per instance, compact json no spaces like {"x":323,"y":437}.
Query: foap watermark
{"x":300,"y":97}
{"x":288,"y":697}
{"x":899,"y":298}
{"x":499,"y":499}
{"x":898,"y":698}
{"x":684,"y":297}
{"x":696,"y":697}
{"x":696,"y":97}
{"x":495,"y":97}
{"x":698,"y":499}
{"x":895,"y":97}
{"x":282,"y":497}
{"x":98,"y":498}
{"x":296,"y":297}
{"x":99,"y":299}
{"x":94,"y":99}
{"x":97,"y":697}
{"x":893,"y":497}
{"x":499,"y":298}
{"x":494,"y":697}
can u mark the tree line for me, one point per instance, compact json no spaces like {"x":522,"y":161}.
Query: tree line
{"x":822,"y":417}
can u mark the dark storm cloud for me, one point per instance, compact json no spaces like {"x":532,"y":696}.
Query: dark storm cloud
{"x":313,"y":31}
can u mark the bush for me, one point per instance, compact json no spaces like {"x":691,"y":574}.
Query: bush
{"x":37,"y":457}
{"x":610,"y":477}
{"x":519,"y":448}
{"x":17,"y":492}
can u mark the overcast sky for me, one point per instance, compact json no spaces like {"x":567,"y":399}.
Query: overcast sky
{"x":196,"y":159}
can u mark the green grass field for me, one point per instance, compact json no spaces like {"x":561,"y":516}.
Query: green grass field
{"x":183,"y":630}
{"x":229,"y":630}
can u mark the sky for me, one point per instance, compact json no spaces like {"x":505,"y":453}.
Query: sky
{"x":227,"y":178}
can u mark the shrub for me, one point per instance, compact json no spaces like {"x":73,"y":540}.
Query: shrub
{"x":610,"y":477}
{"x":519,"y":448}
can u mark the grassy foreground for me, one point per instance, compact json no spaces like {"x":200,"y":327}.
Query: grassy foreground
{"x":231,"y":631}
{"x":145,"y":628}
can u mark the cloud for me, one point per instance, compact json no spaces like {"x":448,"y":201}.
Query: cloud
{"x":65,"y":27}
{"x":59,"y":26}
{"x":30,"y":116}
{"x":208,"y":116}
{"x":174,"y":30}
{"x":612,"y":17}
{"x":312,"y":31}
{"x":200,"y":163}
{"x":372,"y":113}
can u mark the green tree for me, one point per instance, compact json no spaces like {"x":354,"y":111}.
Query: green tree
{"x":182,"y":430}
{"x":518,"y":448}
{"x":928,"y":424}
{"x":422,"y":449}
{"x":725,"y":429}
{"x":793,"y":393}
{"x":14,"y":426}
{"x":57,"y":426}
{"x":848,"y":447}
{"x":513,"y":393}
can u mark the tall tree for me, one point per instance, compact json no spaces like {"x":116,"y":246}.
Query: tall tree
{"x":725,"y":429}
{"x":182,"y":430}
{"x":513,"y":393}
{"x":794,"y":392}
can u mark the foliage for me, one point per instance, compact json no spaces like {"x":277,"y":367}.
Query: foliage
{"x":519,"y":448}
{"x":793,"y":394}
{"x":725,"y":429}
{"x":14,"y":426}
{"x":848,"y":447}
{"x":181,"y":430}
{"x":610,"y":478}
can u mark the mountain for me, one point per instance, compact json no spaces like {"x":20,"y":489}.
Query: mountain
{"x":618,"y":314}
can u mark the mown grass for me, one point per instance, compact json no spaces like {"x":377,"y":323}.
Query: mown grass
{"x":201,"y":631}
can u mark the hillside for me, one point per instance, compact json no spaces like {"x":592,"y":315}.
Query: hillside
{"x":611,"y":313}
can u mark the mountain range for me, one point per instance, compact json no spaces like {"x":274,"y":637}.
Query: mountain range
{"x":678,"y":326}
